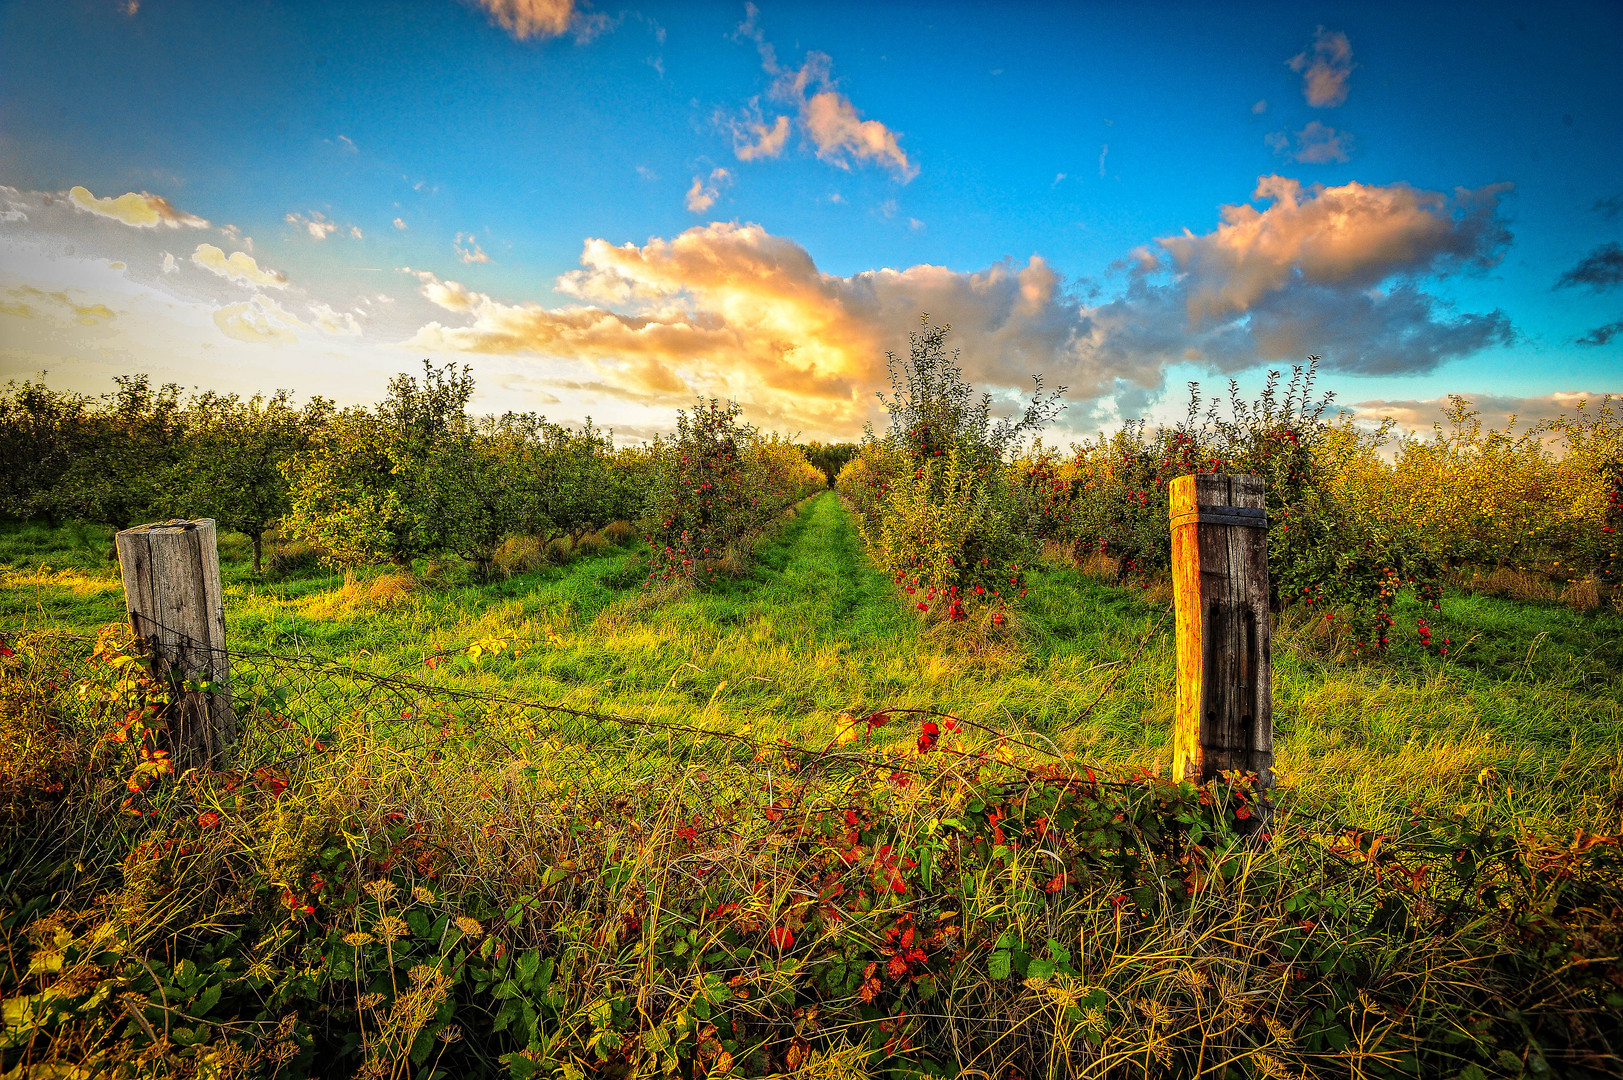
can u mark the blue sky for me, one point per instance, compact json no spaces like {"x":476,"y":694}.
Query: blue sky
{"x":461,"y":181}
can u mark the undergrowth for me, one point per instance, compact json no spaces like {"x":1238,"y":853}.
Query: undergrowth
{"x":453,"y":891}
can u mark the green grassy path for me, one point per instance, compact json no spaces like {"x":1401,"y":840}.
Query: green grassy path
{"x":814,"y":630}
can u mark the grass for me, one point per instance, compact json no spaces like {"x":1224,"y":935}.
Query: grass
{"x":1532,"y":691}
{"x":401,"y":882}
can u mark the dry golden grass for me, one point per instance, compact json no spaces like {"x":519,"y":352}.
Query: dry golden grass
{"x":519,"y":555}
{"x":381,"y":593}
{"x":559,"y":550}
{"x":1582,"y":595}
{"x":76,"y":583}
{"x":1509,"y":583}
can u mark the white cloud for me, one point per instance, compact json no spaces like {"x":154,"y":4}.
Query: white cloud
{"x":259,"y":320}
{"x":703,"y":194}
{"x":400,"y":224}
{"x":329,"y":321}
{"x":468,"y":250}
{"x":170,"y":264}
{"x":316,"y":224}
{"x":12,"y":207}
{"x":240,"y":267}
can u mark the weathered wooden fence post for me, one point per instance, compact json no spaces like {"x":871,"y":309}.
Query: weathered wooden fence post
{"x":171,"y":576}
{"x":1225,"y":717}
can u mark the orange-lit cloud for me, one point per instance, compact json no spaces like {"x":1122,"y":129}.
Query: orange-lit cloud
{"x":140,"y":210}
{"x":731,"y":309}
{"x":704,"y":193}
{"x":1333,"y":271}
{"x":1325,"y":68}
{"x":829,"y":120}
{"x":240,"y":267}
{"x":754,"y":140}
{"x":526,"y":19}
{"x":1316,"y":144}
{"x":837,"y":129}
{"x":1351,"y":235}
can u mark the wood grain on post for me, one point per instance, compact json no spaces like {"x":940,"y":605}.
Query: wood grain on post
{"x":172,"y":589}
{"x":1225,"y":717}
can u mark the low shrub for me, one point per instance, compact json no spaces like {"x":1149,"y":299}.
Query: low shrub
{"x":720,"y":482}
{"x":617,"y":533}
{"x":1111,"y":498}
{"x":291,"y":557}
{"x":932,"y":496}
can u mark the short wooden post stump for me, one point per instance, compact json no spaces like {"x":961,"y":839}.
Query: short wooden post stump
{"x":172,"y":589}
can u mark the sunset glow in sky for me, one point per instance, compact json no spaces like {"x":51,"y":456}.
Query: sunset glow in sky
{"x":605,"y":210}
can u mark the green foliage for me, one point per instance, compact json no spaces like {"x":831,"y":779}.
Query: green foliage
{"x":122,"y":455}
{"x":420,"y":478}
{"x":234,"y":452}
{"x":37,"y":426}
{"x":830,"y":458}
{"x":933,"y":496}
{"x":719,"y":483}
{"x":1111,"y":498}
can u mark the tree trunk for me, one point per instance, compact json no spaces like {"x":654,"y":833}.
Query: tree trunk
{"x":256,"y":537}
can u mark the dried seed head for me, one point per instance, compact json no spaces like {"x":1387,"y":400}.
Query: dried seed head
{"x":391,"y":927}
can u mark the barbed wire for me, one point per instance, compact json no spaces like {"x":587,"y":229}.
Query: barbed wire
{"x":289,"y":703}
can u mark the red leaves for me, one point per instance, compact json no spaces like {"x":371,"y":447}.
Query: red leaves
{"x":271,"y":782}
{"x":929,"y":735}
{"x":208,"y":820}
{"x":780,"y":938}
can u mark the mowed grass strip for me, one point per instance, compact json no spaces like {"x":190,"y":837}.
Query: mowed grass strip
{"x":1525,"y":718}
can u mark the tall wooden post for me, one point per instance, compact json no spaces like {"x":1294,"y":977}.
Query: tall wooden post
{"x":172,"y":589}
{"x":1225,"y":716}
